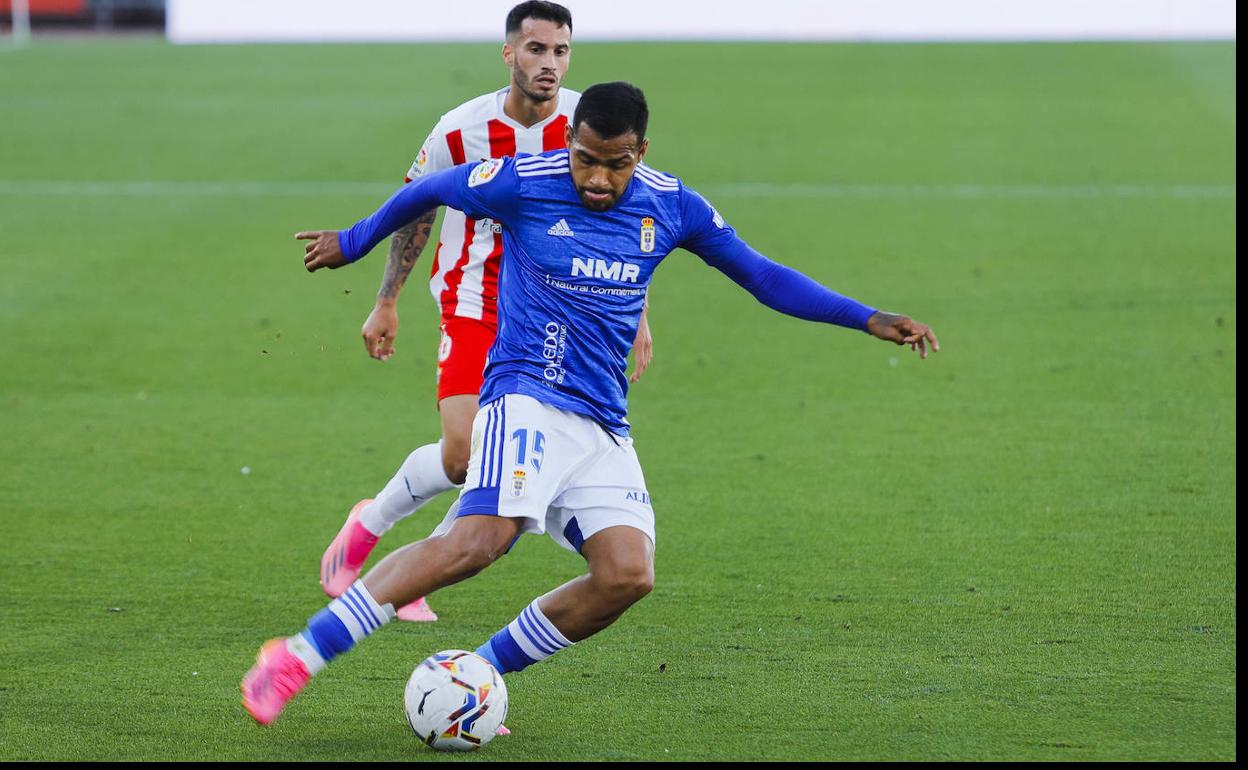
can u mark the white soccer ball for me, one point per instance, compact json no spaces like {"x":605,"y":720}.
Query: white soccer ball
{"x":455,"y":701}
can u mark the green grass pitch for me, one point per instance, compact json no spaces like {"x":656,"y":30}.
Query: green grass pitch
{"x":1023,"y":548}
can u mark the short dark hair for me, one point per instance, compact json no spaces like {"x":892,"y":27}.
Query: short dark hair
{"x":613,"y":109}
{"x":537,"y":9}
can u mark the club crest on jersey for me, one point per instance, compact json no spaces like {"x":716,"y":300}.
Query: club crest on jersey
{"x":647,"y":234}
{"x":517,"y":483}
{"x":484,"y":171}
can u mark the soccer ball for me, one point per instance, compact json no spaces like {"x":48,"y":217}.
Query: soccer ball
{"x":455,"y":701}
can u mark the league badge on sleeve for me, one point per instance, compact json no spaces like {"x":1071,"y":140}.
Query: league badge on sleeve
{"x":421,"y":164}
{"x":484,"y":171}
{"x":647,"y":234}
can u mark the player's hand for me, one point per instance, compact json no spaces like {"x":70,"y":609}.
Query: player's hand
{"x":903,"y":330}
{"x":380,"y":329}
{"x":323,"y":251}
{"x":643,"y":349}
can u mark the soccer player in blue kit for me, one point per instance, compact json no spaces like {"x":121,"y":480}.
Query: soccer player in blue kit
{"x":584,"y":229}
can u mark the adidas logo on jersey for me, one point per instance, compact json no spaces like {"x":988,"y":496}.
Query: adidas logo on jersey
{"x":561,"y":229}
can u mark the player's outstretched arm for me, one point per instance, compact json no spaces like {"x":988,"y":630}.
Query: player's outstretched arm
{"x":786,"y":290}
{"x":382,"y":325}
{"x":333,"y":249}
{"x":903,"y":330}
{"x":452,"y":187}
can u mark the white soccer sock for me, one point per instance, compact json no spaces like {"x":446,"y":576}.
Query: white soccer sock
{"x":420,"y":479}
{"x":301,"y":648}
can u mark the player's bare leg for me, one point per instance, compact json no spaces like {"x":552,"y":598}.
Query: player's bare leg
{"x":457,"y":413}
{"x":285,"y":666}
{"x":621,"y":573}
{"x":418,"y":569}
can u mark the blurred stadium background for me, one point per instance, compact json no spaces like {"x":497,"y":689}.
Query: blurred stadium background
{"x":1023,"y":548}
{"x":219,"y":21}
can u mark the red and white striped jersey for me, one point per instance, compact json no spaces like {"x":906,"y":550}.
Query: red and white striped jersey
{"x":464,"y":276}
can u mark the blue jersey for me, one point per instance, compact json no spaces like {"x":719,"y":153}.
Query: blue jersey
{"x":573,"y":281}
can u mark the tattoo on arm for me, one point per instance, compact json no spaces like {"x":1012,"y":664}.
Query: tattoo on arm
{"x":405,"y":248}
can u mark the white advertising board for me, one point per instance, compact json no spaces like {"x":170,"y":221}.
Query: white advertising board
{"x":239,"y":21}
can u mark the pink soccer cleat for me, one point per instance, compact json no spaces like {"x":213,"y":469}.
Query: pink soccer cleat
{"x":341,"y":564}
{"x":502,"y":730}
{"x":417,"y":612}
{"x":277,"y":677}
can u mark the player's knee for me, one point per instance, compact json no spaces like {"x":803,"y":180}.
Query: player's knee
{"x":628,"y":584}
{"x":468,"y":558}
{"x":455,"y":471}
{"x":468,"y":549}
{"x":455,"y":461}
{"x":641,"y":585}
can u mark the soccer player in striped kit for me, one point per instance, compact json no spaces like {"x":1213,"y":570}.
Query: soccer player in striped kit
{"x":528,"y":116}
{"x":585,"y":229}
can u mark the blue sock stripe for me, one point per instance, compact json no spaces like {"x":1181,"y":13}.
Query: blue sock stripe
{"x":543,"y":623}
{"x":526,"y":625}
{"x":342,"y":601}
{"x":360,"y":594}
{"x":367,"y":606}
{"x":353,"y":595}
{"x":519,"y":627}
{"x":487,"y":651}
{"x":509,"y":653}
{"x":310,"y":638}
{"x":328,"y":634}
{"x":354,"y":604}
{"x":375,"y":609}
{"x":541,"y":630}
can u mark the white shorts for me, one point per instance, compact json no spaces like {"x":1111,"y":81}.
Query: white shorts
{"x":562,"y":473}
